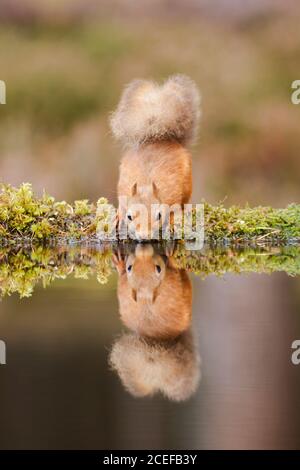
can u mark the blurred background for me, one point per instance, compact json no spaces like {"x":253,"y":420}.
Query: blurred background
{"x":65,"y":64}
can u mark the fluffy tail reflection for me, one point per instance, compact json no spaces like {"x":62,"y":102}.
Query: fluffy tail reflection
{"x":155,"y":301}
{"x":146,"y":367}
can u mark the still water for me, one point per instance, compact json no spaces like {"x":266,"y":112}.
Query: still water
{"x":147,"y":348}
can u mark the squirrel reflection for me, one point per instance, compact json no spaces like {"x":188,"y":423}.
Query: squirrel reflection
{"x":155,"y":301}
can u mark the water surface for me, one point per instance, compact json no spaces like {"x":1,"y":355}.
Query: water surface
{"x":84,"y":370}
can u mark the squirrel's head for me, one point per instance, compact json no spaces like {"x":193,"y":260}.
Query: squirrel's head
{"x":155,"y":297}
{"x":144,"y":215}
{"x":145,"y":271}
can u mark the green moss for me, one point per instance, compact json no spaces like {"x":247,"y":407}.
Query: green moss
{"x":41,"y":229}
{"x":252,"y":224}
{"x":221,"y":260}
{"x":21,"y":269}
{"x":24,"y":216}
{"x":82,"y":207}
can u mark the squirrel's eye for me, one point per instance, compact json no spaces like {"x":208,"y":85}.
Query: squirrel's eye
{"x":129,"y":268}
{"x":158,"y":268}
{"x":129,"y":216}
{"x":158,"y":216}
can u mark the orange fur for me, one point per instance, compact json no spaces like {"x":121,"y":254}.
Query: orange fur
{"x":147,"y":367}
{"x":156,"y":123}
{"x":154,"y":305}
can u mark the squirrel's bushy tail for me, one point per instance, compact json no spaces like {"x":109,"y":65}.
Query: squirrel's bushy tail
{"x":149,"y":112}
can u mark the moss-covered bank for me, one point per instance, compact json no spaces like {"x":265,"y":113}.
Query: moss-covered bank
{"x":26,"y":217}
{"x":22,"y":268}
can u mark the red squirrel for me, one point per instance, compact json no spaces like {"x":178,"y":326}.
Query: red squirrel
{"x":155,"y":296}
{"x":155,"y":302}
{"x":156,"y":124}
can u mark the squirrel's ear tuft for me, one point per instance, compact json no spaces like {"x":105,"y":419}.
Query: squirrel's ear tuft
{"x":134,"y":189}
{"x":133,"y":293}
{"x":154,"y":296}
{"x":155,"y":189}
